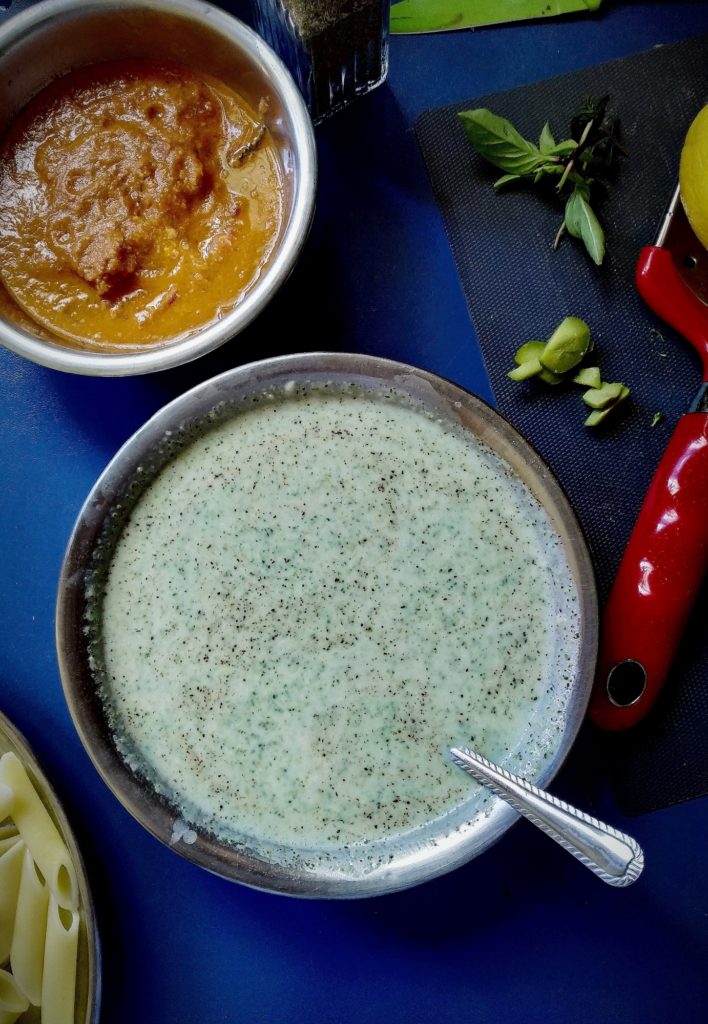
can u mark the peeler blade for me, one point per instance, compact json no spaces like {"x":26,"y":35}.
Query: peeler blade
{"x":687,"y":252}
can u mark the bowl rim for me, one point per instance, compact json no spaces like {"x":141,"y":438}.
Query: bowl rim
{"x":193,"y":405}
{"x":175,"y":353}
{"x":14,"y":739}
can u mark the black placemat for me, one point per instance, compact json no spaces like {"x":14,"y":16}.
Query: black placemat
{"x":518,"y":289}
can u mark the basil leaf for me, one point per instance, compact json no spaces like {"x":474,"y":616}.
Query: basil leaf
{"x":498,"y":141}
{"x":581,"y":222}
{"x":546,"y":143}
{"x":505,"y":179}
{"x":547,"y":169}
{"x":564,"y":148}
{"x":581,"y":185}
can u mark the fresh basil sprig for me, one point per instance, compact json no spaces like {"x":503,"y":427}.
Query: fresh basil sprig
{"x":579,"y":167}
{"x":498,"y":141}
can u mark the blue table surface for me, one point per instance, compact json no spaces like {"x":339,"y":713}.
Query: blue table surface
{"x":521,"y":934}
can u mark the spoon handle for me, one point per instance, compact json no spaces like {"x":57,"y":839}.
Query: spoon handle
{"x":614,"y":857}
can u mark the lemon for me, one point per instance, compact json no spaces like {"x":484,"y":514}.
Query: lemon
{"x":693,"y":176}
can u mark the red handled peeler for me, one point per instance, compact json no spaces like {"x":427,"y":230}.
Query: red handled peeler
{"x":667,"y":555}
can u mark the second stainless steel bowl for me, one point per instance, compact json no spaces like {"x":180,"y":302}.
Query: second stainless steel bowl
{"x":441,"y":844}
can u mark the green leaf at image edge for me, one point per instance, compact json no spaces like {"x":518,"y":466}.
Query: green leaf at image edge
{"x":444,"y":15}
{"x":581,"y":222}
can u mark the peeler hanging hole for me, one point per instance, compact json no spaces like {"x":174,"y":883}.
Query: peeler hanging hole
{"x":626,"y":683}
{"x":690,"y":262}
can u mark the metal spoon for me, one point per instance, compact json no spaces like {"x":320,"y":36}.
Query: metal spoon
{"x":614,"y":857}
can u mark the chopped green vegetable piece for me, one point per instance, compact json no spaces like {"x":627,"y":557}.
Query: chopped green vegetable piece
{"x":530,"y":350}
{"x":589,"y":377}
{"x":597,"y":416}
{"x":548,"y":377}
{"x":600,"y":398}
{"x":566,"y":346}
{"x":530,"y":368}
{"x":657,"y":418}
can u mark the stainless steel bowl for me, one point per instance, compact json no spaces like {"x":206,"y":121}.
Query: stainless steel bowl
{"x":55,"y":36}
{"x":441,"y":845}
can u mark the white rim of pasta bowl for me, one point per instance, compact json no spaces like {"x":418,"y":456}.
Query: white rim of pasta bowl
{"x":88,"y":982}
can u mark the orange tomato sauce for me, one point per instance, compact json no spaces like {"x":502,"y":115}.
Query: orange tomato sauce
{"x":138,"y":202}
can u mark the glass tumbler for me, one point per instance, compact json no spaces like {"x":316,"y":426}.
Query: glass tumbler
{"x":336,"y":49}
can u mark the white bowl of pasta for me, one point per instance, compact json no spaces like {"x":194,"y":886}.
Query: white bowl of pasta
{"x":49,"y":947}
